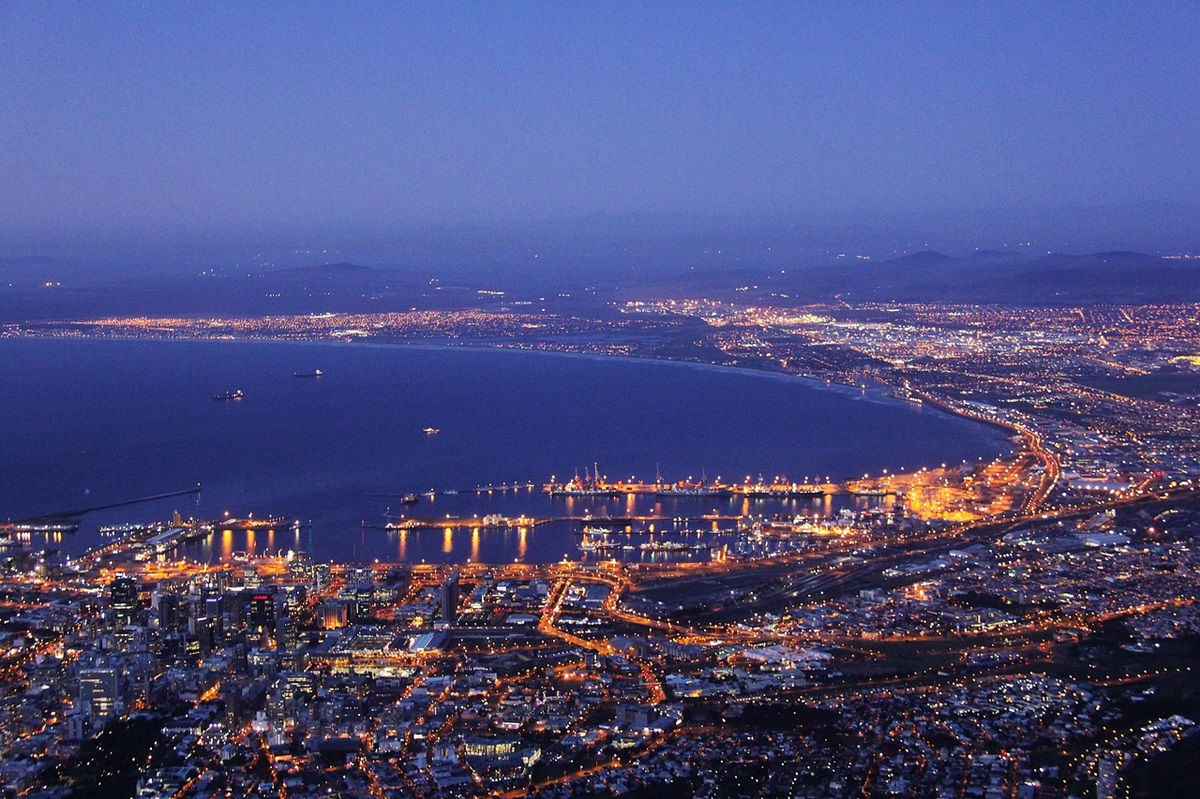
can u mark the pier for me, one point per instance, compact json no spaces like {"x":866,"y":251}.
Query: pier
{"x":67,"y":521}
{"x":593,"y":484}
{"x":449,"y":492}
{"x":506,"y":523}
{"x":592,"y":487}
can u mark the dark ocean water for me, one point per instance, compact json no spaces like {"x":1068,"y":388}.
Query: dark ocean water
{"x":87,"y":423}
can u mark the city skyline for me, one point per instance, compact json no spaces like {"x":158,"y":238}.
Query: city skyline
{"x":658,"y":401}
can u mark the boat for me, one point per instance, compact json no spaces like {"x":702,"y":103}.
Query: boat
{"x":679,"y":490}
{"x":803,"y":491}
{"x":779,"y":488}
{"x":670,"y":546}
{"x":787,"y":491}
{"x":688,"y":488}
{"x":270,"y":522}
{"x":229,"y":396}
{"x":409,"y":499}
{"x":431,"y":431}
{"x":313,"y":373}
{"x":600,"y":543}
{"x":584,"y":492}
{"x":590,"y":485}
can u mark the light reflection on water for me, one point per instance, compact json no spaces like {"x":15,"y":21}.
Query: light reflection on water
{"x":544,"y":543}
{"x":339,"y":453}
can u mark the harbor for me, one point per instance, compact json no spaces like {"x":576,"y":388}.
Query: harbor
{"x":593,"y":484}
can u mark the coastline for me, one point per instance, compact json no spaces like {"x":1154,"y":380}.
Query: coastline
{"x":870,"y":393}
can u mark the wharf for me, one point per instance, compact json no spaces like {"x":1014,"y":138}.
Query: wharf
{"x":490,"y":488}
{"x":503,"y":523}
{"x":594,"y":487}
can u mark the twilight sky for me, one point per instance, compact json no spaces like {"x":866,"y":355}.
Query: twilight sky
{"x":141,"y":116}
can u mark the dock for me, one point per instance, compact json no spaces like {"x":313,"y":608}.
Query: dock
{"x":528,"y":522}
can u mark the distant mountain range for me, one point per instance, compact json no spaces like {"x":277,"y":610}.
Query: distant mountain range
{"x":985,"y":277}
{"x":33,"y":288}
{"x":1010,"y":278}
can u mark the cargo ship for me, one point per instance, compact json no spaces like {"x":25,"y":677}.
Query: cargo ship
{"x":227,"y":396}
{"x":671,"y":546}
{"x":779,"y":488}
{"x":692,"y":490}
{"x":313,"y":373}
{"x":590,"y":485}
{"x":270,"y":522}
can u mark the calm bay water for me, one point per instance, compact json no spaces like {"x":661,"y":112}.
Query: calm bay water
{"x":89,"y":422}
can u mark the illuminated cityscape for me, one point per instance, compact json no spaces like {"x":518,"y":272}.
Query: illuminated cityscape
{"x":671,"y":400}
{"x":1016,"y":627}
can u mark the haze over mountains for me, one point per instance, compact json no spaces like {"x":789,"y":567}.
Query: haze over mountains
{"x":989,"y":276}
{"x":599,"y":259}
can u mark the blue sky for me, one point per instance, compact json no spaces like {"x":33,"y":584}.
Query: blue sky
{"x":204,"y":116}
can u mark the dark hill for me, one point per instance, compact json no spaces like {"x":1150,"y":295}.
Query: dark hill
{"x":996,"y":255}
{"x":1004,"y":278}
{"x":1057,"y":279}
{"x":923,"y":258}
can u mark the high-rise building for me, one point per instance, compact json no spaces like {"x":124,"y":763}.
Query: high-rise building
{"x":450,"y":598}
{"x":260,"y":614}
{"x":322,"y":573}
{"x":123,"y":596}
{"x":170,"y":616}
{"x":360,"y":577}
{"x":360,"y":610}
{"x":207,"y":631}
{"x":99,"y":692}
{"x":333,"y":614}
{"x":285,"y":633}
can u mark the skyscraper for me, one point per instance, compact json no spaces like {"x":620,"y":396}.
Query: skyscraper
{"x":99,"y":692}
{"x":123,"y":595}
{"x":450,"y":598}
{"x":260,"y":614}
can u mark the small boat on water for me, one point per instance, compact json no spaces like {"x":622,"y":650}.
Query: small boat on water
{"x":227,"y":396}
{"x":313,"y":373}
{"x":431,"y":431}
